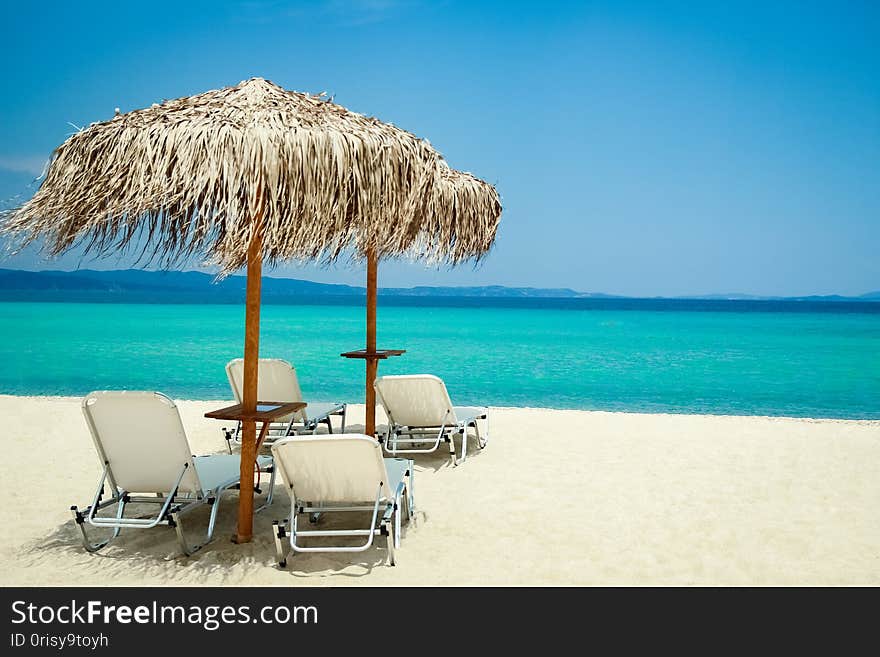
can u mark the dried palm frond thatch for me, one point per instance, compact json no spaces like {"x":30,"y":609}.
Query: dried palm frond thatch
{"x":202,"y":175}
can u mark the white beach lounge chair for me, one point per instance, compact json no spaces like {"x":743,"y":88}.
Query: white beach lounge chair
{"x":418,"y":407}
{"x":277,"y":381}
{"x":147,"y":459}
{"x":326,"y":474}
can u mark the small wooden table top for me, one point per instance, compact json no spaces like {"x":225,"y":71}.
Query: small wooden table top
{"x":379,"y":354}
{"x":266,"y":411}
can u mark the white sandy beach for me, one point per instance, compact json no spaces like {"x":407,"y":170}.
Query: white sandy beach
{"x":557,"y":498}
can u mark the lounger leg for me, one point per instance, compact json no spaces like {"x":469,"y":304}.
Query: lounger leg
{"x":119,"y":513}
{"x":271,"y":494}
{"x":410,"y":488}
{"x":279,"y":534}
{"x":181,"y":539}
{"x":464,"y":441}
{"x":175,"y":513}
{"x":293,"y":526}
{"x":178,"y":529}
{"x":87,"y":544}
{"x":231,"y":435}
{"x":96,"y":506}
{"x":452,"y":448}
{"x":342,"y":430}
{"x":407,"y":499}
{"x":482,"y":441}
{"x":81,"y":523}
{"x":400,"y":500}
{"x":397,"y":523}
{"x":390,"y":541}
{"x":215,"y":507}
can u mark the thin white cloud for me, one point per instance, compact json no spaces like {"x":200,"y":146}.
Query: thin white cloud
{"x":31,"y":164}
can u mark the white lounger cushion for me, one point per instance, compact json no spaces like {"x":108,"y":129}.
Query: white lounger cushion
{"x":140,"y":434}
{"x":142,"y":445}
{"x":416,"y":400}
{"x":467,"y":413}
{"x":276,"y":381}
{"x":221,"y":470}
{"x":421,"y":400}
{"x":396,"y":469}
{"x":317,"y":410}
{"x":333,"y":469}
{"x":142,"y":437}
{"x":418,"y":405}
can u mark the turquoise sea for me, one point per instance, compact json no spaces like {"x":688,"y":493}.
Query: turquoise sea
{"x":724,"y":357}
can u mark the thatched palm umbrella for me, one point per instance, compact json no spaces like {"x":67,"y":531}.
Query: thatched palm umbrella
{"x":256,"y":174}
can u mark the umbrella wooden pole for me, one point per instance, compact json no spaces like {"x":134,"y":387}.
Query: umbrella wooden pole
{"x":249,"y":391}
{"x":372,"y":363}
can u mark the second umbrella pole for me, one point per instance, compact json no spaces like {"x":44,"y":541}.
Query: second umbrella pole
{"x":372,"y":363}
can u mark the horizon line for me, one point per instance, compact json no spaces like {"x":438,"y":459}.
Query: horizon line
{"x":870,"y":295}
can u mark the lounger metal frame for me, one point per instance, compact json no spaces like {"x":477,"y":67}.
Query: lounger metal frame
{"x":389,"y":522}
{"x":397,"y":434}
{"x":173,"y":506}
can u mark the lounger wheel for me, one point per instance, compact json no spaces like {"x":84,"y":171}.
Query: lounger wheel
{"x":282,"y":564}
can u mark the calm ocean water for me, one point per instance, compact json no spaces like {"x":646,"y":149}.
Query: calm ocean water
{"x":766,"y":358}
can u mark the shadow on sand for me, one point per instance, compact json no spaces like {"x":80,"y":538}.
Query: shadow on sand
{"x":153,"y":554}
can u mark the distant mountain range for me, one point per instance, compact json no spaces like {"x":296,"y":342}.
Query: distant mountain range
{"x":196,"y":287}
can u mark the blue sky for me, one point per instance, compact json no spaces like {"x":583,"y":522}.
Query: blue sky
{"x":642,"y":148}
